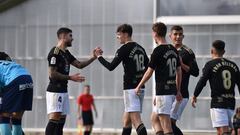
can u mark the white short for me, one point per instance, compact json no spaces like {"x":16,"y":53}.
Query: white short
{"x":57,"y":102}
{"x":164,"y":104}
{"x":221,"y":117}
{"x":177,"y":108}
{"x":133,"y":102}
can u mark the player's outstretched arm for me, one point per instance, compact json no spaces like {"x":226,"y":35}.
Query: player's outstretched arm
{"x":53,"y":74}
{"x":110,"y":66}
{"x":82,"y":64}
{"x":145,"y":78}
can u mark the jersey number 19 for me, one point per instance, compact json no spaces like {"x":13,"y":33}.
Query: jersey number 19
{"x":172,"y":64}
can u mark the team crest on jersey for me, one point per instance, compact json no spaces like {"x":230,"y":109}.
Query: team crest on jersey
{"x":53,"y":60}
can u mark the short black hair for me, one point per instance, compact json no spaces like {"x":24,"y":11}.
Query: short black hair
{"x":160,"y":28}
{"x":177,"y":28}
{"x":219,"y":45}
{"x":125,"y":28}
{"x":4,"y":56}
{"x":63,"y":30}
{"x":87,"y":85}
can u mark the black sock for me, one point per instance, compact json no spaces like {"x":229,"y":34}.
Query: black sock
{"x":87,"y":132}
{"x":51,"y":126}
{"x":176,"y":130}
{"x":226,"y":133}
{"x":159,"y":133}
{"x":236,"y":131}
{"x":141,"y":130}
{"x":127,"y":131}
{"x":59,"y":129}
{"x":170,"y":134}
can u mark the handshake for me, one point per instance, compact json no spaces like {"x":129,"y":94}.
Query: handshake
{"x":97,"y":52}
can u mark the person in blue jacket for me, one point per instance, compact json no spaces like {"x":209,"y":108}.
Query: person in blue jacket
{"x":16,"y":95}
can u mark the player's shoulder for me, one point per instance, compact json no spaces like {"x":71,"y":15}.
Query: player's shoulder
{"x":230,"y":61}
{"x":187,"y":49}
{"x":54,"y":51}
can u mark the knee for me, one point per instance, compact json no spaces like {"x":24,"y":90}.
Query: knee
{"x":55,"y":116}
{"x":17,"y":115}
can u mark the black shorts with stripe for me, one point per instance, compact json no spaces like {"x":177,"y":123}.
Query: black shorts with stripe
{"x":87,"y":117}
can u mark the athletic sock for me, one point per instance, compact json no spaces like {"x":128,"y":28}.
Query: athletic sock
{"x":141,"y":130}
{"x":59,"y":129}
{"x":16,"y":126}
{"x":226,"y":133}
{"x":159,"y":133}
{"x":51,"y":127}
{"x":127,"y":131}
{"x":176,"y":130}
{"x":5,"y":128}
{"x":87,"y":132}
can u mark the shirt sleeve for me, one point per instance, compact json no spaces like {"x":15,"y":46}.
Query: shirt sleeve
{"x":194,"y":70}
{"x":153,"y":60}
{"x":203,"y":80}
{"x":79,"y":100}
{"x":115,"y":62}
{"x":53,"y":60}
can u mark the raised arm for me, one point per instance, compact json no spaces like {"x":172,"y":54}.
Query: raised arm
{"x":82,"y":64}
{"x":109,"y":65}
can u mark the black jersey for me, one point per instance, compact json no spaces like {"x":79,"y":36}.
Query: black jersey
{"x":61,"y":60}
{"x":188,"y":58}
{"x":222,"y":74}
{"x":165,"y":60}
{"x":134,"y":60}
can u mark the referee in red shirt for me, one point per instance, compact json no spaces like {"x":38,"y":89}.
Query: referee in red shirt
{"x":85,"y":103}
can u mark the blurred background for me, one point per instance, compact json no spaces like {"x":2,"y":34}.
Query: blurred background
{"x":28,"y":32}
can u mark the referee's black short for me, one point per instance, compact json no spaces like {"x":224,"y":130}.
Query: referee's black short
{"x":87,"y":117}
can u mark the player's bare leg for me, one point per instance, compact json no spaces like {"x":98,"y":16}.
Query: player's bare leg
{"x":137,"y":123}
{"x":156,"y":124}
{"x":127,"y":124}
{"x":165,"y":123}
{"x":88,"y":129}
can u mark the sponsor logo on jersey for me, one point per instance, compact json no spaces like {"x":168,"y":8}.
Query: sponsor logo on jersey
{"x":53,"y":60}
{"x":25,"y":86}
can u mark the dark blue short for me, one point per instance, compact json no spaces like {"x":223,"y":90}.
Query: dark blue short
{"x":18,"y":95}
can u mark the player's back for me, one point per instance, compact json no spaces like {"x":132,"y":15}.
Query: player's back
{"x":223,"y":75}
{"x":134,"y":60}
{"x":9,"y":71}
{"x":165,"y":62}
